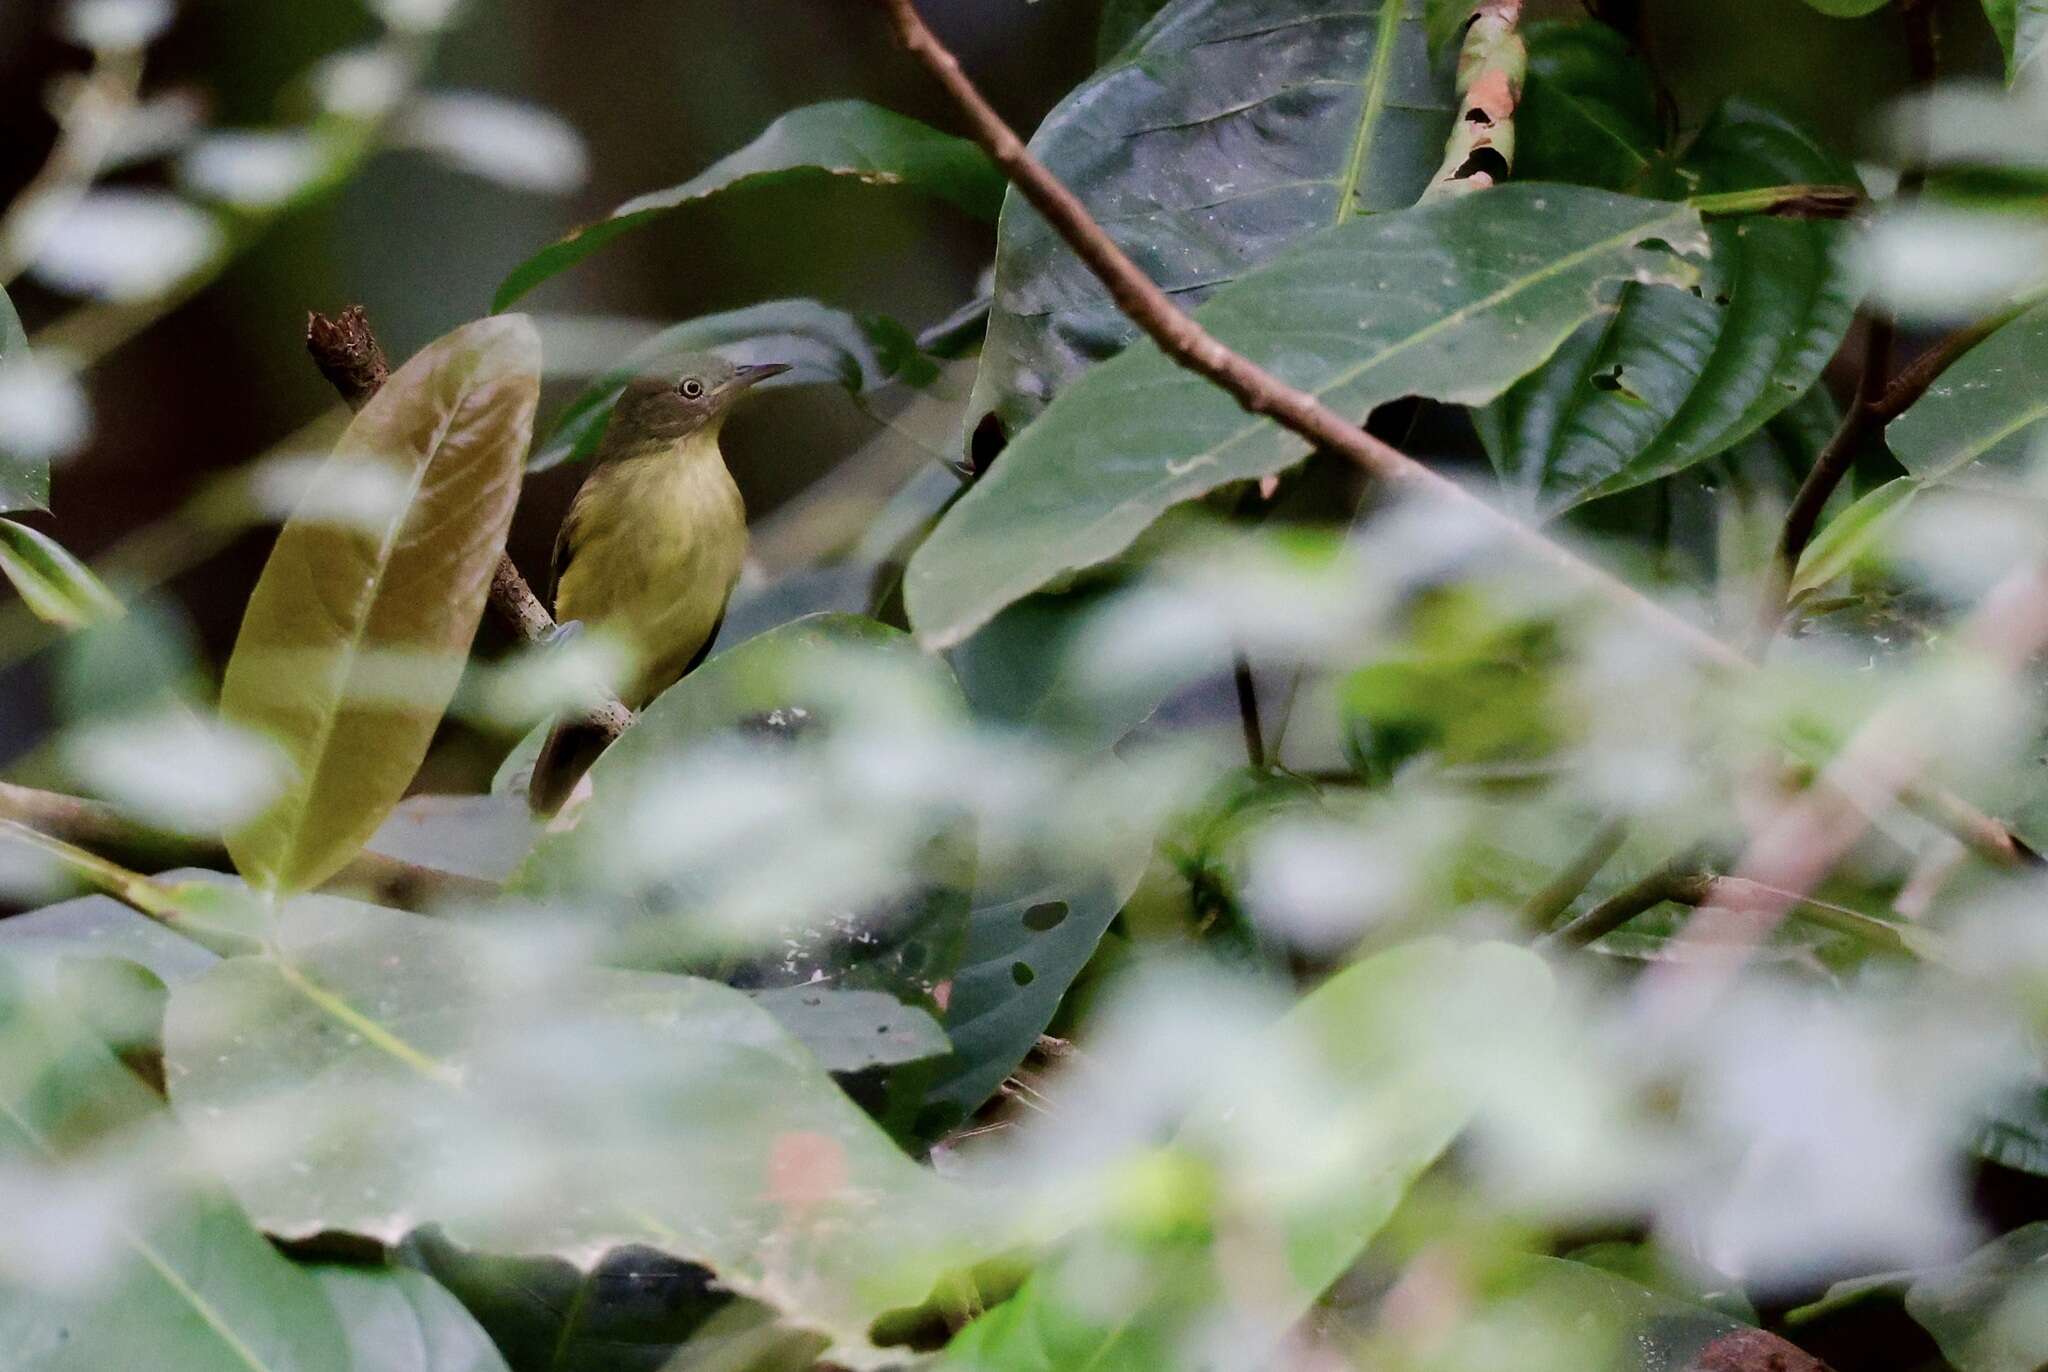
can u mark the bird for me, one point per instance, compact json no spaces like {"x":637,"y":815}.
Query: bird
{"x":652,"y":545}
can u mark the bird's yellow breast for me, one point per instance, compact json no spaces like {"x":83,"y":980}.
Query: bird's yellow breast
{"x":655,"y":546}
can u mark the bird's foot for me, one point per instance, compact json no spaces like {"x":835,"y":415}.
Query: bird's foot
{"x":563,"y":634}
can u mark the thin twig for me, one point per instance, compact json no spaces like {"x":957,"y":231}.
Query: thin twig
{"x":1541,"y":910}
{"x":1675,"y":881}
{"x":1190,"y":345}
{"x":347,"y":352}
{"x":1248,"y":710}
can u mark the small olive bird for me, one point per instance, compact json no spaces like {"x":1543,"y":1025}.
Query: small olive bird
{"x":651,"y":546}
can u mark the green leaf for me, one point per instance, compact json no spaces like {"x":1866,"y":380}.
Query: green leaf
{"x":1847,"y":9}
{"x":188,"y":1284}
{"x":853,"y":1031}
{"x":404,"y":1071}
{"x":24,"y":481}
{"x":1674,"y":377}
{"x":1987,"y":407}
{"x":849,"y":138}
{"x":822,"y":343}
{"x":1031,"y":931}
{"x":1588,"y":114}
{"x":1390,"y":1048}
{"x":1444,"y":21}
{"x":398,"y":1320}
{"x":1230,"y":132}
{"x":1453,"y":301}
{"x":1853,"y":534}
{"x":485,"y":837}
{"x":1121,"y":21}
{"x":1989,"y":1313}
{"x":629,"y":1313}
{"x":57,"y":587}
{"x":102,"y":927}
{"x":2022,"y":27}
{"x":356,"y":634}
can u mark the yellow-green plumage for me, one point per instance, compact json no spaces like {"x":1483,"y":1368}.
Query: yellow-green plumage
{"x":652,"y":548}
{"x":652,"y":545}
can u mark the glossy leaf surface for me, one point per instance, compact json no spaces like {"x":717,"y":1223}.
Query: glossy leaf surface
{"x":57,"y":588}
{"x":1234,"y":129}
{"x":355,"y":636}
{"x":840,"y":138}
{"x":1453,"y":301}
{"x":1983,"y":413}
{"x":1674,"y":377}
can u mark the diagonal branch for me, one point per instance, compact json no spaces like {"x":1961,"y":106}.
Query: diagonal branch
{"x":1184,"y":340}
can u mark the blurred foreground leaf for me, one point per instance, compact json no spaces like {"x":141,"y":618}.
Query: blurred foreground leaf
{"x":1989,"y":1313}
{"x":1230,"y":133}
{"x":1676,"y":376}
{"x":373,"y":1072}
{"x":838,"y":138}
{"x":398,"y":1320}
{"x":1381,"y":1066}
{"x":57,"y":588}
{"x":187,"y":1285}
{"x":2022,"y":27}
{"x":1488,"y":286}
{"x":343,"y":596}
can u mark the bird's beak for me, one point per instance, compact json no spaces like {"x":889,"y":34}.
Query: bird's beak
{"x":753,"y":374}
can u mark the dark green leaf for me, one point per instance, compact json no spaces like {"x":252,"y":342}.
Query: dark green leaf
{"x":1986,"y":408}
{"x":1232,"y":131}
{"x":1453,"y":301}
{"x":1121,"y":21}
{"x":1588,"y":115}
{"x":1031,"y":931}
{"x":24,"y":481}
{"x":1675,"y":376}
{"x":1847,"y":9}
{"x":1024,"y":667}
{"x":57,"y":587}
{"x":848,"y":138}
{"x":2022,"y":27}
{"x":356,"y":634}
{"x":852,"y":1031}
{"x":398,"y":1320}
{"x":403,"y":1072}
{"x":189,"y":1285}
{"x":821,"y":343}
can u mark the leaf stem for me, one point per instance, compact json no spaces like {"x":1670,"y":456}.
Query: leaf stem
{"x":1541,"y":910}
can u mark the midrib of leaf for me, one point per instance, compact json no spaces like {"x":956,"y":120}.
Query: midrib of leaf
{"x":1584,"y":110}
{"x":158,"y":1264}
{"x":332,"y":718}
{"x":1374,"y":90}
{"x":372,"y":1031}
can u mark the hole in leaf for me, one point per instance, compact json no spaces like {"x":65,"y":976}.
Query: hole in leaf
{"x":1475,"y":115}
{"x":1722,"y":299}
{"x":986,"y":445}
{"x":1021,"y":973}
{"x":1046,"y":915}
{"x":1487,"y":160}
{"x":912,"y":956}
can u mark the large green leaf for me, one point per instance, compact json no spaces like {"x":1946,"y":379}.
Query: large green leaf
{"x":400,"y":1071}
{"x":849,"y":138}
{"x":1384,"y":1065}
{"x":57,"y":588}
{"x":819,"y":342}
{"x":399,"y":1320}
{"x":1588,"y":114}
{"x":1031,"y":931}
{"x":1232,"y":130}
{"x":1989,"y":1313}
{"x":2022,"y":27}
{"x":356,"y":634}
{"x":1986,"y":408}
{"x":188,"y":1284}
{"x":1674,"y":377}
{"x":1453,"y":301}
{"x":24,"y":479}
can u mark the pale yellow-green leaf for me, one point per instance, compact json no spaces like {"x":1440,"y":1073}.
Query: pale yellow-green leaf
{"x":337,"y":600}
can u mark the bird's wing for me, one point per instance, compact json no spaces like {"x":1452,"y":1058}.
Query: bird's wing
{"x":565,"y":548}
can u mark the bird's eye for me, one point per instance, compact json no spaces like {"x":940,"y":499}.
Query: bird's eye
{"x":692,"y":389}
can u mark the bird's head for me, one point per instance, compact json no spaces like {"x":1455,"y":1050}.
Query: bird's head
{"x":696,"y":393}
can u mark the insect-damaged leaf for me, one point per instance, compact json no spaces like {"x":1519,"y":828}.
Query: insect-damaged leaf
{"x":356,"y":634}
{"x":1453,"y":301}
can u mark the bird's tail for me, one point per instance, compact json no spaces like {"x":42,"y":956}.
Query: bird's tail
{"x":571,"y":746}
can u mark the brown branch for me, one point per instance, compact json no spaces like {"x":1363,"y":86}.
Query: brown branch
{"x":1190,"y":345}
{"x":347,"y":352}
{"x":111,"y":833}
{"x":1675,"y":881}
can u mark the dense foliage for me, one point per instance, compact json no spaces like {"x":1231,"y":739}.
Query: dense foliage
{"x":1546,"y":883}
